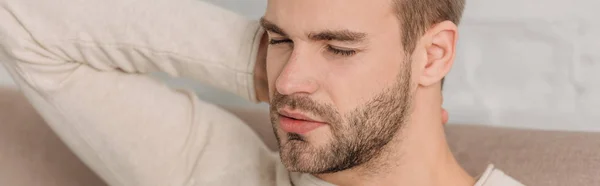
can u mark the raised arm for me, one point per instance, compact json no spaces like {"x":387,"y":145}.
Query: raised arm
{"x":82,"y":63}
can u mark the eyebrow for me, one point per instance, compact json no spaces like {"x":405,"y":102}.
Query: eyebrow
{"x":272,"y":27}
{"x":327,"y":35}
{"x":338,"y":35}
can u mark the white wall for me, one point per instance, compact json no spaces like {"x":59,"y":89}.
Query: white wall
{"x":530,"y":64}
{"x":527,"y":64}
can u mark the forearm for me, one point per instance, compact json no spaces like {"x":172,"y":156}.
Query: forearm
{"x":185,"y":38}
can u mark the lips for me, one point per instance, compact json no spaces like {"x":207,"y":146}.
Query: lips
{"x":295,"y":122}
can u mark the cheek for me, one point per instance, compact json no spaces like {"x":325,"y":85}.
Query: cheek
{"x":357,"y":83}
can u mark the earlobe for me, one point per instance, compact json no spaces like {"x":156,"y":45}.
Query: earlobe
{"x":440,"y":52}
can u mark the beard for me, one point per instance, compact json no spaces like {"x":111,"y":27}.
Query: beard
{"x":357,"y":137}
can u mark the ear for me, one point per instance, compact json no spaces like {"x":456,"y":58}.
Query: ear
{"x":440,"y":47}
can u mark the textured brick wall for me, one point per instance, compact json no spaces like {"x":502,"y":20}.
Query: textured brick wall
{"x":527,"y":64}
{"x":532,"y":64}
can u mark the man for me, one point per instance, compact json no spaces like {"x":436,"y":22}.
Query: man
{"x":355,"y":88}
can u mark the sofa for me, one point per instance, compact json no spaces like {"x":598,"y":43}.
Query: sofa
{"x":31,"y":154}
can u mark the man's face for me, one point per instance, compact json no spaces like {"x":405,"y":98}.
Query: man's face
{"x":339,"y":81}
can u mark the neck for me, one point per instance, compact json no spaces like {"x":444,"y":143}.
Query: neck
{"x":419,"y":154}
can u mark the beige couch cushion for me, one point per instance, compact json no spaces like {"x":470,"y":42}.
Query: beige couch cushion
{"x":30,"y":154}
{"x":533,"y":157}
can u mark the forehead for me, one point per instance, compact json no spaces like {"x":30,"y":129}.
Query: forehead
{"x":308,"y":15}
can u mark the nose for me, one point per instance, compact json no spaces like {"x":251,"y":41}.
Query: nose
{"x":299,"y":74}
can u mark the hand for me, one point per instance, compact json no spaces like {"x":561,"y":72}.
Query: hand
{"x":261,"y":85}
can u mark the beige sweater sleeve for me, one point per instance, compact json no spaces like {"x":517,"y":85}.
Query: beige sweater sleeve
{"x":82,"y":64}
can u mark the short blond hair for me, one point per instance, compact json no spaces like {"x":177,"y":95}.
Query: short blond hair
{"x":416,"y":16}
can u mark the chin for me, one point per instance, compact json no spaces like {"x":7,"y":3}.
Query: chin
{"x":298,"y":156}
{"x":302,"y":155}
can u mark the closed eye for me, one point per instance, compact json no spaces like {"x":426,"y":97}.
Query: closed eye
{"x":339,"y":51}
{"x":279,"y":41}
